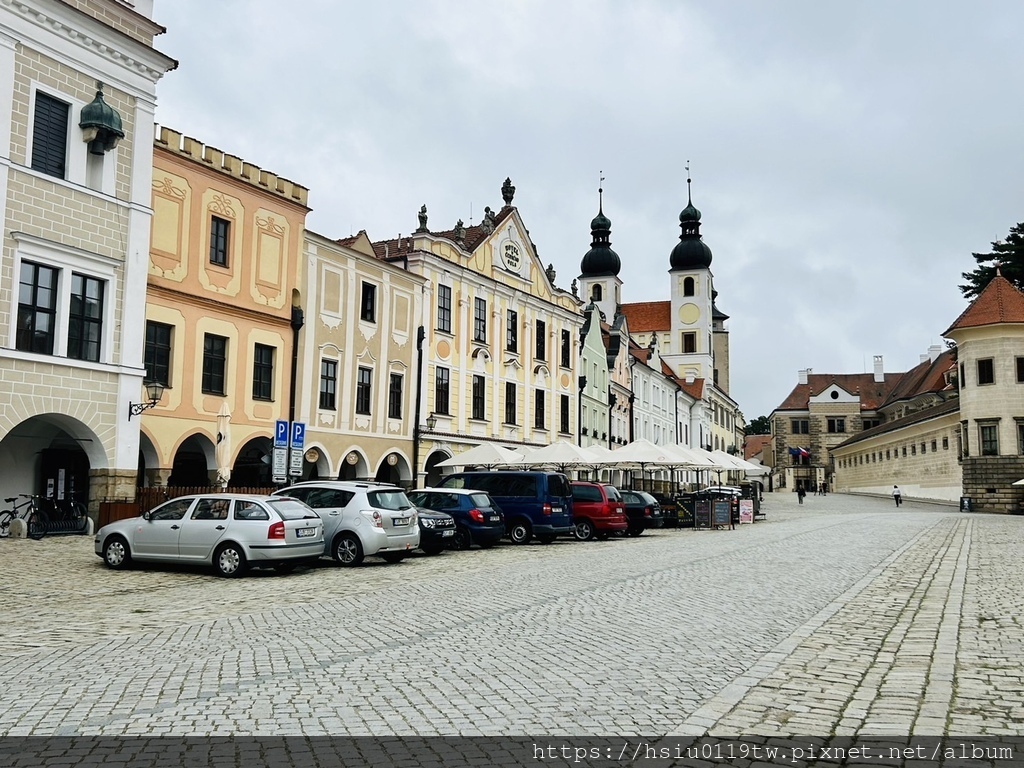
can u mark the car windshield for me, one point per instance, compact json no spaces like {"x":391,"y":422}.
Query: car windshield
{"x":480,"y":499}
{"x":390,"y":499}
{"x":290,"y":509}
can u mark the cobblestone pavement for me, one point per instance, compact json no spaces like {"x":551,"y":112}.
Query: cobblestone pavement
{"x":843,"y":616}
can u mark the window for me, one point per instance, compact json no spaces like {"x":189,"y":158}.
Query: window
{"x":479,"y":398}
{"x":363,"y":390}
{"x":328,"y":384}
{"x":924,"y":448}
{"x":836,"y":425}
{"x":510,"y":402}
{"x":799,"y":426}
{"x":541,"y":351}
{"x":368,"y":303}
{"x":444,"y":308}
{"x":215,"y":352}
{"x":50,"y":136}
{"x":566,"y":350}
{"x":538,"y":409}
{"x":904,"y":451}
{"x":869,"y":423}
{"x":85,"y":317}
{"x":395,"y":396}
{"x":158,"y":352}
{"x":935,"y":446}
{"x":262,"y":372}
{"x":37,"y":308}
{"x":480,"y":320}
{"x":689,"y":343}
{"x":219,"y":232}
{"x":1020,"y":370}
{"x":1020,"y":438}
{"x":986,"y":372}
{"x":688,"y":286}
{"x":989,"y":434}
{"x":441,"y":390}
{"x":512,"y":331}
{"x":945,"y":443}
{"x":597,"y":293}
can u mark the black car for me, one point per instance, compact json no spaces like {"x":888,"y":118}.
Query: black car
{"x":478,"y":520}
{"x":643,"y":511}
{"x":437,"y":530}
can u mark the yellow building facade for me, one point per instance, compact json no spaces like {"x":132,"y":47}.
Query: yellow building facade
{"x":222,"y":312}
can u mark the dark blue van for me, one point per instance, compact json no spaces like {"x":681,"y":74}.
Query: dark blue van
{"x":535,"y":503}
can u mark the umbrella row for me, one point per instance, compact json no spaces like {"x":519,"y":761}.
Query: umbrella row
{"x":640,"y":454}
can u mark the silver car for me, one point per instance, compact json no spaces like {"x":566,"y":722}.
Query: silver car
{"x":361,"y":519}
{"x":229,"y":531}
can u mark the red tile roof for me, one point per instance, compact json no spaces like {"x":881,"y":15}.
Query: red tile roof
{"x":754,"y":444}
{"x":927,"y":376}
{"x":872,"y":393}
{"x":999,"y":302}
{"x":647,"y":316}
{"x":474,"y":236}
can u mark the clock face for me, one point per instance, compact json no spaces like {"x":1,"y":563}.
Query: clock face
{"x":689,"y":314}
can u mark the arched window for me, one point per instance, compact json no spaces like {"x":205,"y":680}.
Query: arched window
{"x":597,"y":294}
{"x":688,"y":285}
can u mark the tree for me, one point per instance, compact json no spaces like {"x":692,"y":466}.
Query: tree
{"x":1008,"y":253}
{"x":759,"y":426}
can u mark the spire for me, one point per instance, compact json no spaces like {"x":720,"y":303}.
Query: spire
{"x":690,"y":252}
{"x":600,"y":259}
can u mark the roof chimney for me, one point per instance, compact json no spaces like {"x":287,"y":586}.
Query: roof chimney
{"x":879,"y":370}
{"x":934,"y":351}
{"x":803,"y":373}
{"x":924,"y":358}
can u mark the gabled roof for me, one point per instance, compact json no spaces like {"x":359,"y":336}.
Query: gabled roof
{"x":872,"y":393}
{"x":927,"y":376}
{"x":941,"y":409}
{"x":754,"y":444}
{"x":647,"y":316}
{"x":475,"y":235}
{"x":999,"y":302}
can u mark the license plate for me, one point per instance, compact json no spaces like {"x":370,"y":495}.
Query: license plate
{"x":448,"y":533}
{"x":495,"y":519}
{"x":556,"y":510}
{"x":303,"y":533}
{"x":400,"y":521}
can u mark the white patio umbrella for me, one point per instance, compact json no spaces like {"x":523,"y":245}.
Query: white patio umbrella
{"x":560,"y":453}
{"x":728,"y":461}
{"x":644,"y":454}
{"x":222,"y":451}
{"x":484,"y":455}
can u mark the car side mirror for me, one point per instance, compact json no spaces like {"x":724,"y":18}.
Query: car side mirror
{"x":145,"y":515}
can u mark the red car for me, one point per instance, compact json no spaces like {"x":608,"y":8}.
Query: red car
{"x":597,"y":510}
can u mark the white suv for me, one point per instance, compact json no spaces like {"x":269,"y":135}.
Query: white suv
{"x":361,"y":519}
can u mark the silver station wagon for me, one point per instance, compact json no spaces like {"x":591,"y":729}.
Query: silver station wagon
{"x":229,"y":531}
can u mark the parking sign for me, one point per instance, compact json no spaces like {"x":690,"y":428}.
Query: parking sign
{"x":298,"y":434}
{"x":281,"y":434}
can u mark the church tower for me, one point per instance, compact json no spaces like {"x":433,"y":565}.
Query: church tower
{"x":599,"y":269}
{"x":690,"y":348}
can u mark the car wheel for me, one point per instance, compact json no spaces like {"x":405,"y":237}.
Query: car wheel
{"x":521,"y":532}
{"x":229,"y":560}
{"x":347,"y":550}
{"x":393,"y":557}
{"x":285,"y":567}
{"x":116,"y":553}
{"x":634,"y":532}
{"x":463,"y":539}
{"x":584,"y":530}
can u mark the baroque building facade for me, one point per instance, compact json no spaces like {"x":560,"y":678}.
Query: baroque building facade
{"x":77,"y":100}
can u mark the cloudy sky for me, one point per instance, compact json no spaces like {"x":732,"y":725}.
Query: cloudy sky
{"x":847,"y":157}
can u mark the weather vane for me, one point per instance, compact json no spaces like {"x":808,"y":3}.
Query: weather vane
{"x":600,"y":190}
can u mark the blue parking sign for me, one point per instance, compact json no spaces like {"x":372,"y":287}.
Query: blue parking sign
{"x":298,"y":434}
{"x":281,"y":434}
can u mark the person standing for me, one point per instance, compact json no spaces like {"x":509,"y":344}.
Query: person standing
{"x":800,"y":493}
{"x":896,"y":495}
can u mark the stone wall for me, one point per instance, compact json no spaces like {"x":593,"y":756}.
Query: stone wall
{"x":988,"y":481}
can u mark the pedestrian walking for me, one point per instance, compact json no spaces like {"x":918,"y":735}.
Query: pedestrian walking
{"x":800,"y":493}
{"x":896,"y":495}
{"x":815,"y":487}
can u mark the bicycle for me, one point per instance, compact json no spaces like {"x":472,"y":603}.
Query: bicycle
{"x":66,"y":515}
{"x":35,"y":518}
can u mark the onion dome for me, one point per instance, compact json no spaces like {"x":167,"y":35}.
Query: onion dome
{"x":600,"y":260}
{"x":691,"y":252}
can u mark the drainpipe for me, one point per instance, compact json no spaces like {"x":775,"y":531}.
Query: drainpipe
{"x":579,"y":412}
{"x":297,"y":322}
{"x":611,"y":417}
{"x":420,"y":336}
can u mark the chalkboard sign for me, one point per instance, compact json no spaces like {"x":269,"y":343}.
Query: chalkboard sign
{"x":722,"y":512}
{"x":702,"y":514}
{"x":684,"y":508}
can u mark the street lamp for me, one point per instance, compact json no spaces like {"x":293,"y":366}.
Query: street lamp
{"x":154,"y":390}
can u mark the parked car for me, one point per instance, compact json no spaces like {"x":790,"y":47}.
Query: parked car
{"x":534,"y":503}
{"x":478,"y":520}
{"x":229,"y":531}
{"x":643,"y":511}
{"x":437,"y":530}
{"x":360,"y":519}
{"x":597,"y":511}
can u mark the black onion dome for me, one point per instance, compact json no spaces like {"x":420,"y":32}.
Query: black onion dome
{"x":600,"y":260}
{"x":690,"y":252}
